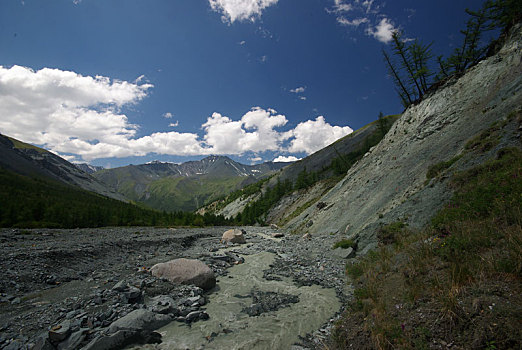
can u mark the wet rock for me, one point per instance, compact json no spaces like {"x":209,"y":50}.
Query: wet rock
{"x":196,"y":315}
{"x":122,"y":338}
{"x":269,"y":301}
{"x":186,"y":271}
{"x":162,"y":304}
{"x":234,"y":236}
{"x":140,"y":319}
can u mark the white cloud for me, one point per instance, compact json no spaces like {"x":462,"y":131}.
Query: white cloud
{"x":167,"y":115}
{"x":242,"y":42}
{"x":80,"y":117}
{"x":312,"y":135}
{"x":383,"y":31}
{"x":240,"y":10}
{"x":254,"y":132}
{"x":302,"y":98}
{"x":298,"y":90}
{"x":353,"y":23}
{"x":255,"y":160}
{"x":284,"y":159}
{"x":70,"y":113}
{"x":354,"y":13}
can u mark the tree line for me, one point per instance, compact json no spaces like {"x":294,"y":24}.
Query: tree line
{"x":37,"y":202}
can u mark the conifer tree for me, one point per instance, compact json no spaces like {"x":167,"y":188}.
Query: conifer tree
{"x":411,"y":75}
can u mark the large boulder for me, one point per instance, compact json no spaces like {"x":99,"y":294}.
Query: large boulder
{"x":186,"y":271}
{"x":234,"y":236}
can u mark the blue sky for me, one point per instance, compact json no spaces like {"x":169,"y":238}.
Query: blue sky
{"x":117,"y":82}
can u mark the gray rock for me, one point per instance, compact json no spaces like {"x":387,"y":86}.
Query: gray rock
{"x":122,"y":338}
{"x":162,"y":304}
{"x":132,"y":293}
{"x":344,"y":253}
{"x":196,"y":315}
{"x":43,"y":343}
{"x":140,"y":319}
{"x":186,"y":271}
{"x":121,"y":286}
{"x":74,"y":341}
{"x":60,"y":332}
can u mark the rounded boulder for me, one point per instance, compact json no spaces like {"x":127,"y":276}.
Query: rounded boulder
{"x":186,"y":271}
{"x":234,"y":236}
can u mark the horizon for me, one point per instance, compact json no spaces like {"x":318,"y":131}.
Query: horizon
{"x":117,"y":83}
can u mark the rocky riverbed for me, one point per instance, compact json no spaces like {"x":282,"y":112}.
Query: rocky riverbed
{"x":91,"y":288}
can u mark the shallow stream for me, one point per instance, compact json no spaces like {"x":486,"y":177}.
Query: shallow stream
{"x":229,"y":327}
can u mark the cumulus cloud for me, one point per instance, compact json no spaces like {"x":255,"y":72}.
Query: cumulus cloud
{"x":286,"y":159}
{"x":167,"y":115}
{"x":255,"y":132}
{"x":70,"y":113}
{"x":173,"y":125}
{"x":312,"y":135}
{"x":80,"y":118}
{"x":240,"y":10}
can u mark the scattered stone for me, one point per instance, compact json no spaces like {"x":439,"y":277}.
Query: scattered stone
{"x":278,"y":235}
{"x":186,"y":271}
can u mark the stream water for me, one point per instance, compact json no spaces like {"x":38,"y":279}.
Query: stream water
{"x":231,"y":328}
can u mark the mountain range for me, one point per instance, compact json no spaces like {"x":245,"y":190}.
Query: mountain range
{"x":186,"y":186}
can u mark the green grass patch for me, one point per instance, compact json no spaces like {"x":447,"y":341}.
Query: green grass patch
{"x":344,"y":244}
{"x":436,"y":169}
{"x":463,"y":273}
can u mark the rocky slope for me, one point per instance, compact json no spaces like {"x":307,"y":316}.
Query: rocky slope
{"x":29,"y":160}
{"x":89,"y":169}
{"x":320,"y":163}
{"x":186,"y":186}
{"x":389,"y":183}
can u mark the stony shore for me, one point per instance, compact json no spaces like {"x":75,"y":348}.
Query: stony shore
{"x":91,"y":288}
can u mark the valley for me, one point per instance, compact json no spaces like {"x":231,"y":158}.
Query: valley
{"x":70,"y":278}
{"x":403,"y":234}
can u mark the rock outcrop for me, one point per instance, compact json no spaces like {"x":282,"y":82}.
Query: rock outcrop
{"x":186,"y":271}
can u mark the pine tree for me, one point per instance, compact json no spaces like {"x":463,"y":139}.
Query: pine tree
{"x":411,"y":75}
